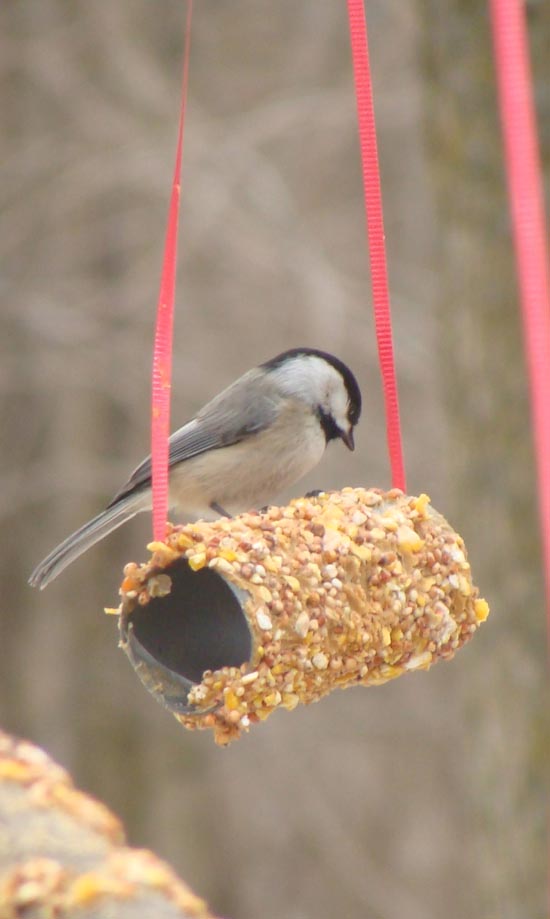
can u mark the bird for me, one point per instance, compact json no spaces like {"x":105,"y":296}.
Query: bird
{"x":254,"y":439}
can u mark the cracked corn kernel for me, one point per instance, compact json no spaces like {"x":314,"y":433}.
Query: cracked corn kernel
{"x":230,"y":699}
{"x":481,"y":608}
{"x":421,"y":504}
{"x":198,"y":561}
{"x":228,"y":555}
{"x":408,"y":539}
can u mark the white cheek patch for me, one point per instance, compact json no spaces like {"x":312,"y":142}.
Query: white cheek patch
{"x":316,"y":382}
{"x":337,"y":406}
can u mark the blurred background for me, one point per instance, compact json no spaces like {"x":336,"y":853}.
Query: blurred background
{"x":422,"y":798}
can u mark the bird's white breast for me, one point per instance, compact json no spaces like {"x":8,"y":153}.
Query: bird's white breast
{"x":250,"y":473}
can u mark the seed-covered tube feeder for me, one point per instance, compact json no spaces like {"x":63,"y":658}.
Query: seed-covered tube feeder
{"x":232,"y":619}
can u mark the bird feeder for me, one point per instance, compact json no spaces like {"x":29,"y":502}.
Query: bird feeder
{"x":231,"y":620}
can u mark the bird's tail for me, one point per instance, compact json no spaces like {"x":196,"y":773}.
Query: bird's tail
{"x":85,"y":537}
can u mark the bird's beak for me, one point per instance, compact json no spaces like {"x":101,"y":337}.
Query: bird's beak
{"x":347,"y":437}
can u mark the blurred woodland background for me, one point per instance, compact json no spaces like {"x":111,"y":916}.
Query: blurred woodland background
{"x":425,"y":797}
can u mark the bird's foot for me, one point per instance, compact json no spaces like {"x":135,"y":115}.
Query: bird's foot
{"x":214,"y":506}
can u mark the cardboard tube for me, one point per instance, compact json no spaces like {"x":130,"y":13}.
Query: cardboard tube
{"x":230,"y":620}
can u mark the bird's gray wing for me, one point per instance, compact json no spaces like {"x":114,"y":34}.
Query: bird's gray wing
{"x":228,"y":419}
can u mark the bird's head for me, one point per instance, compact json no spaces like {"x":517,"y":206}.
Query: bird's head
{"x":326,"y":384}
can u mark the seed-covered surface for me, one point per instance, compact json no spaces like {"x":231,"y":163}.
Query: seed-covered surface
{"x":346,"y":588}
{"x":63,"y":855}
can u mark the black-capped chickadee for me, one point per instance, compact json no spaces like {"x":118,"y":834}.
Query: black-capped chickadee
{"x":251,"y":441}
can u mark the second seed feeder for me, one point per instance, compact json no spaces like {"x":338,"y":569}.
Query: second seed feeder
{"x":232,"y":619}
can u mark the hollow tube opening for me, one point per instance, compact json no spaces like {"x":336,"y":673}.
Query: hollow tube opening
{"x":198,"y":626}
